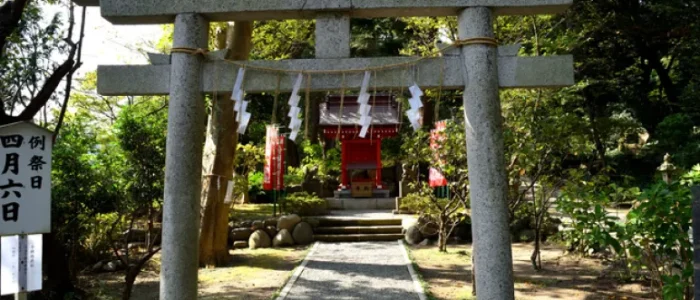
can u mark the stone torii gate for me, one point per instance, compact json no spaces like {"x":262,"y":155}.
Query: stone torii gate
{"x":478,"y":68}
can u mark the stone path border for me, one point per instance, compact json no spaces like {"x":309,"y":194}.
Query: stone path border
{"x":414,"y":275}
{"x":290,"y":283}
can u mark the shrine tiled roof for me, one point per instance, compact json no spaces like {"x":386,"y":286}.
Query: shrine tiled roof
{"x":384,"y":112}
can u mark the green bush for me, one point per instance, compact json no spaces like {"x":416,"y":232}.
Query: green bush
{"x":255,"y":183}
{"x":659,"y":242}
{"x":415,"y":202}
{"x":584,"y":199}
{"x":654,"y":241}
{"x":305,"y":204}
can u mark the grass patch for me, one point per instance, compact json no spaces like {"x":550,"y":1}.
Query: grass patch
{"x":251,"y":275}
{"x":444,"y":275}
{"x":248,"y":212}
{"x":466,"y":295}
{"x":254,"y":263}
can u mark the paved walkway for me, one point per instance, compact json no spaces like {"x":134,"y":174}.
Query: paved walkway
{"x":367,"y":270}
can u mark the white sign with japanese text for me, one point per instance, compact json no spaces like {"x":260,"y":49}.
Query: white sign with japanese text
{"x":25,"y":179}
{"x":9,"y":259}
{"x":20,"y":264}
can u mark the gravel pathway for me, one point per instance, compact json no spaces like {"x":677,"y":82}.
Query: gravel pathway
{"x":368,"y":270}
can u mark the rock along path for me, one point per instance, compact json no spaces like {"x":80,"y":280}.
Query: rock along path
{"x":365,"y":270}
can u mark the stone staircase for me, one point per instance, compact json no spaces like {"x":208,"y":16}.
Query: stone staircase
{"x":358,"y":230}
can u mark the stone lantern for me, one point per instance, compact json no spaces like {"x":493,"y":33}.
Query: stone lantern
{"x":667,"y":168}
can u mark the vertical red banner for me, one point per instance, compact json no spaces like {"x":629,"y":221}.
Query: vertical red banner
{"x":279,"y":171}
{"x":437,"y":135}
{"x":274,"y":160}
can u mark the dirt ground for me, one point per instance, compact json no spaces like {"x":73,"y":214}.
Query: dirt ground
{"x":448,"y":275}
{"x":252,"y":274}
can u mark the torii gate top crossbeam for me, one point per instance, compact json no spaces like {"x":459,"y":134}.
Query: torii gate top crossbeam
{"x":164,"y":11}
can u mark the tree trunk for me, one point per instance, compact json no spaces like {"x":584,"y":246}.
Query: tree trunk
{"x":219,"y":155}
{"x":56,"y":263}
{"x":314,"y":116}
{"x":129,"y":280}
{"x":536,"y":251}
{"x":442,"y":235}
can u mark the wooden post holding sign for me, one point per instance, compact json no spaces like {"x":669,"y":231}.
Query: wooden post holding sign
{"x":25,"y":205}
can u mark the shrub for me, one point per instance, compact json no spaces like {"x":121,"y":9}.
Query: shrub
{"x":305,"y":204}
{"x":584,"y":200}
{"x":444,"y":213}
{"x":414,"y":202}
{"x":658,"y":228}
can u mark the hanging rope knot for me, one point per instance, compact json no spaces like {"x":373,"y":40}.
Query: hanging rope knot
{"x":191,"y":51}
{"x":477,"y":41}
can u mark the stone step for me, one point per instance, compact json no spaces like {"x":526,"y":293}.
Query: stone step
{"x":340,"y":222}
{"x":357,"y":237}
{"x":359,"y":229}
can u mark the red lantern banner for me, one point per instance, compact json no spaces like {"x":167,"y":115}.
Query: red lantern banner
{"x":437,"y":135}
{"x":274,"y":160}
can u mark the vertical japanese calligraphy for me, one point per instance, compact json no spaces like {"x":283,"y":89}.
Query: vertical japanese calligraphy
{"x":25,"y":182}
{"x":274,"y":160}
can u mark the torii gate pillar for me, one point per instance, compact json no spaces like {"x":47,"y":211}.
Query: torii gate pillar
{"x":183,"y":162}
{"x":484,"y":134}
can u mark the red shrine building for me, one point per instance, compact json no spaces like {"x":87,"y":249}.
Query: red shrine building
{"x":361,"y":163}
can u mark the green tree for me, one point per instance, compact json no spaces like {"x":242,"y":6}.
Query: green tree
{"x":84,"y":184}
{"x":29,"y":75}
{"x":141,"y":134}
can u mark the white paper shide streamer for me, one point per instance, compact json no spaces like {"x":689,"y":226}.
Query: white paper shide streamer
{"x":294,"y":109}
{"x":365,"y":119}
{"x":415,"y":103}
{"x":240,"y":106}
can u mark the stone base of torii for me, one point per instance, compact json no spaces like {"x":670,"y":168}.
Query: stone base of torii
{"x":477,"y":68}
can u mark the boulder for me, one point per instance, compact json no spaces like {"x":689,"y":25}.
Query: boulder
{"x":413,"y":235}
{"x":314,"y":222}
{"x":257,"y":225}
{"x":259,"y":239}
{"x":288,"y":222}
{"x":428,"y":228}
{"x":271,"y":230}
{"x":113,"y":266}
{"x":303,"y":234}
{"x":270,"y":222}
{"x":240,"y":245}
{"x":283,"y":238}
{"x":241,"y":234}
